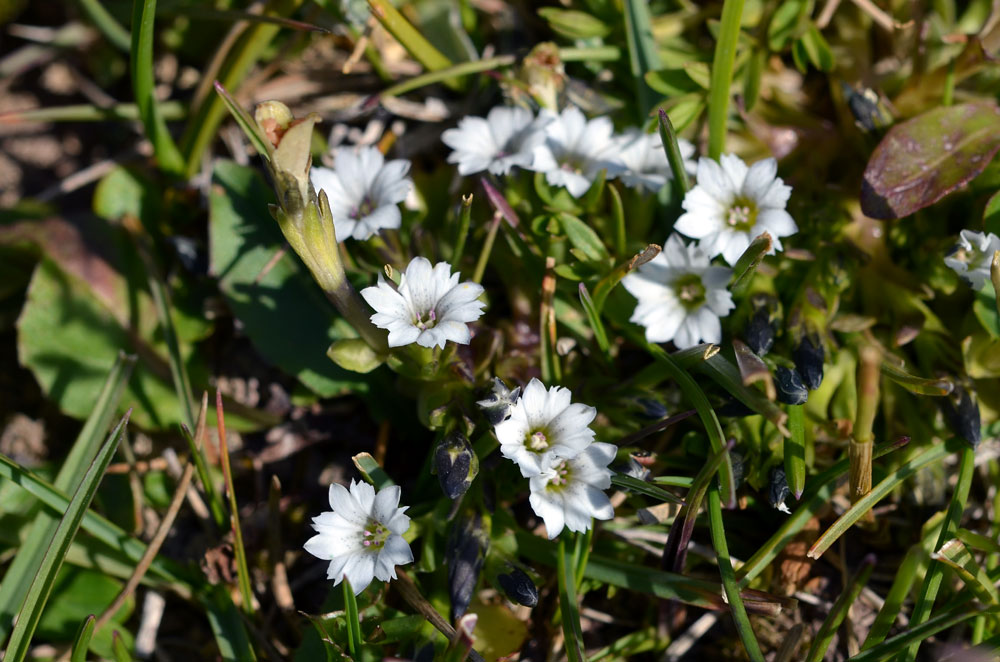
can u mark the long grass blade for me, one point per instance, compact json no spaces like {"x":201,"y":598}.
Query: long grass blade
{"x":670,"y":145}
{"x":82,"y":640}
{"x":242,"y":571}
{"x":821,"y":642}
{"x":729,"y":583}
{"x":722,"y":76}
{"x":914,"y":635}
{"x":642,"y":51}
{"x":170,"y":110}
{"x":227,"y":626}
{"x":107,"y":24}
{"x":41,"y":586}
{"x":143,"y":84}
{"x":25,"y":565}
{"x":196,"y":445}
{"x":352,"y":618}
{"x":900,"y":589}
{"x":568,"y":607}
{"x":408,"y":36}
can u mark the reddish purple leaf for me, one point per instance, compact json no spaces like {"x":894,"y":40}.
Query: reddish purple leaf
{"x":925,"y":158}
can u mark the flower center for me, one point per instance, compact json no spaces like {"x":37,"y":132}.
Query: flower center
{"x":742,"y":214}
{"x":573,"y":163}
{"x":560,"y":477}
{"x":366,"y":207}
{"x":690,"y":291}
{"x":537,"y":441}
{"x":374,"y":535}
{"x":424,"y":324}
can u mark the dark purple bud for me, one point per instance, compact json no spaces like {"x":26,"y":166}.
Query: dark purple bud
{"x":455,"y":464}
{"x":962,"y":412}
{"x":760,"y":329}
{"x":464,"y":554}
{"x":808,"y":357}
{"x":788,"y":383}
{"x":519,"y":587}
{"x":777,"y":489}
{"x":496,"y":405}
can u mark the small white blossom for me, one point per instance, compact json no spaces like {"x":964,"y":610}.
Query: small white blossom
{"x":570,"y":492}
{"x":646,"y":165}
{"x":732,"y":205}
{"x":681,"y":296}
{"x":973,"y":255}
{"x":543,"y":424}
{"x":363,"y":536}
{"x":575,"y":150}
{"x":363,"y":191}
{"x":504,"y":139}
{"x":430,"y":306}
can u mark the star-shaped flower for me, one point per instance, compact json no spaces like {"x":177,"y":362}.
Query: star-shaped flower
{"x":503,"y":140}
{"x":972,"y":256}
{"x":646,"y":165}
{"x":570,"y":492}
{"x":575,"y":150}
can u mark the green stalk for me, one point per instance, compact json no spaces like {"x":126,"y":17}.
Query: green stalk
{"x":352,"y":618}
{"x":821,"y":642}
{"x":408,"y":36}
{"x":464,"y":220}
{"x":935,"y":571}
{"x":900,"y":589}
{"x":917,"y":633}
{"x":795,"y":450}
{"x":484,"y":253}
{"x":82,"y":641}
{"x":85,"y":112}
{"x":863,"y":439}
{"x":729,"y":584}
{"x":242,"y":571}
{"x":143,"y":85}
{"x":451,"y":72}
{"x":107,"y":25}
{"x":669,"y":139}
{"x":568,"y":606}
{"x":722,"y":76}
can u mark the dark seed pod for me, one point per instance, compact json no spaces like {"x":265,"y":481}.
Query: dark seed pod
{"x":962,"y":412}
{"x":496,"y":405}
{"x":777,"y":489}
{"x":739,"y":467}
{"x":464,"y":554}
{"x":760,"y":329}
{"x":788,"y":383}
{"x":808,"y":357}
{"x":519,"y":587}
{"x":455,"y":464}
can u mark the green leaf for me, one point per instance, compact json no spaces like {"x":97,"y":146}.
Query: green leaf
{"x":372,"y":471}
{"x":284,"y":313}
{"x":41,"y":586}
{"x":583,"y":238}
{"x":821,"y":642}
{"x":923,"y":159}
{"x":722,"y":76}
{"x":746,"y":265}
{"x":914,"y":384}
{"x":354,"y":354}
{"x":574,"y":24}
{"x":642,"y":487}
{"x":77,"y":594}
{"x":671,"y":82}
{"x":594,"y":318}
{"x":120,"y":648}
{"x":408,"y":36}
{"x":227,"y":626}
{"x":991,"y":215}
{"x":569,"y":605}
{"x":784,"y":24}
{"x":643,"y":55}
{"x":817,"y":49}
{"x":956,"y":555}
{"x":82,"y":640}
{"x":685,"y":109}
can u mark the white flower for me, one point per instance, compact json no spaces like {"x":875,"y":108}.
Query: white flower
{"x":646,"y":165}
{"x":363,"y":191}
{"x":544,"y":424}
{"x":569,"y":492}
{"x":362,"y":538}
{"x":430,"y":306}
{"x":732,"y":205}
{"x":506,"y":138}
{"x":576,"y":150}
{"x":973,"y":255}
{"x":681,"y":296}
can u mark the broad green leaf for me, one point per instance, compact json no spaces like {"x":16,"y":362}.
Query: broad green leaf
{"x":672,"y":82}
{"x":284,"y":313}
{"x":372,"y":471}
{"x":583,"y":238}
{"x":923,"y":159}
{"x":31,"y":609}
{"x":354,"y":354}
{"x":574,"y":24}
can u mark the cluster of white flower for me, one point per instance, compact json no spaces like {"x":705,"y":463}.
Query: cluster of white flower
{"x":550,"y":440}
{"x":570,"y":149}
{"x":973,"y":255}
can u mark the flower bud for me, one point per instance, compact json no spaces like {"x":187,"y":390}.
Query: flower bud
{"x":518,"y":587}
{"x":777,"y":489}
{"x":464,"y":554}
{"x":455,"y":464}
{"x":808,"y":357}
{"x":542,"y":70}
{"x":788,"y":383}
{"x":962,"y":412}
{"x":291,"y":157}
{"x":496,"y":406}
{"x":759,"y":333}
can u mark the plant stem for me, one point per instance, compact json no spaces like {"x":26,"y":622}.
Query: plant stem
{"x":722,"y":76}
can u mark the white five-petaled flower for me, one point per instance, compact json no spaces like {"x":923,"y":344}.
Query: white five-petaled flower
{"x":732,"y":205}
{"x":569,"y":492}
{"x":681,"y":296}
{"x":363,"y":536}
{"x":973,"y":255}
{"x":575,"y":150}
{"x":363,"y":191}
{"x":646,"y":165}
{"x":430,"y":306}
{"x":544,"y":424}
{"x":504,"y":139}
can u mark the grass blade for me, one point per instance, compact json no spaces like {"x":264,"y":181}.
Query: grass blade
{"x":722,"y":76}
{"x":227,"y":626}
{"x":642,"y":52}
{"x":821,"y":642}
{"x":85,"y":112}
{"x":448,"y":73}
{"x":106,"y":23}
{"x":245,"y":122}
{"x":957,"y":556}
{"x":935,"y":571}
{"x":41,"y":586}
{"x":464,"y":221}
{"x":889,"y":483}
{"x":729,"y":584}
{"x":913,"y":636}
{"x":718,"y":368}
{"x":633,"y":484}
{"x":196,"y":444}
{"x":26,"y":563}
{"x":746,"y":265}
{"x":900,"y":589}
{"x":795,"y":450}
{"x":408,"y":36}
{"x":82,"y":640}
{"x":352,"y":618}
{"x":594,"y":317}
{"x":568,"y":606}
{"x":669,"y":139}
{"x":119,"y":649}
{"x":242,"y":571}
{"x":143,"y":84}
{"x":371,"y":471}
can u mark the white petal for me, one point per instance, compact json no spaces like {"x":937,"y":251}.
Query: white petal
{"x":364,"y":494}
{"x":735,"y":169}
{"x":360,"y":570}
{"x":385,"y":504}
{"x":551,"y":513}
{"x":759,"y":178}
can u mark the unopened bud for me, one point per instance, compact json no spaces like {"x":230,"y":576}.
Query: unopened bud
{"x":497,"y":404}
{"x":273,"y":118}
{"x":518,"y":587}
{"x":808,"y":357}
{"x":464,"y":554}
{"x":963,"y":415}
{"x":789,"y":386}
{"x":455,"y":464}
{"x":760,"y":329}
{"x":777,"y":489}
{"x":542,"y":70}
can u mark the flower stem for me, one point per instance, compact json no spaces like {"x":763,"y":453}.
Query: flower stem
{"x":669,"y":139}
{"x":572,"y":632}
{"x":722,"y":76}
{"x":352,"y":618}
{"x":484,"y":253}
{"x":860,"y":450}
{"x":464,"y":219}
